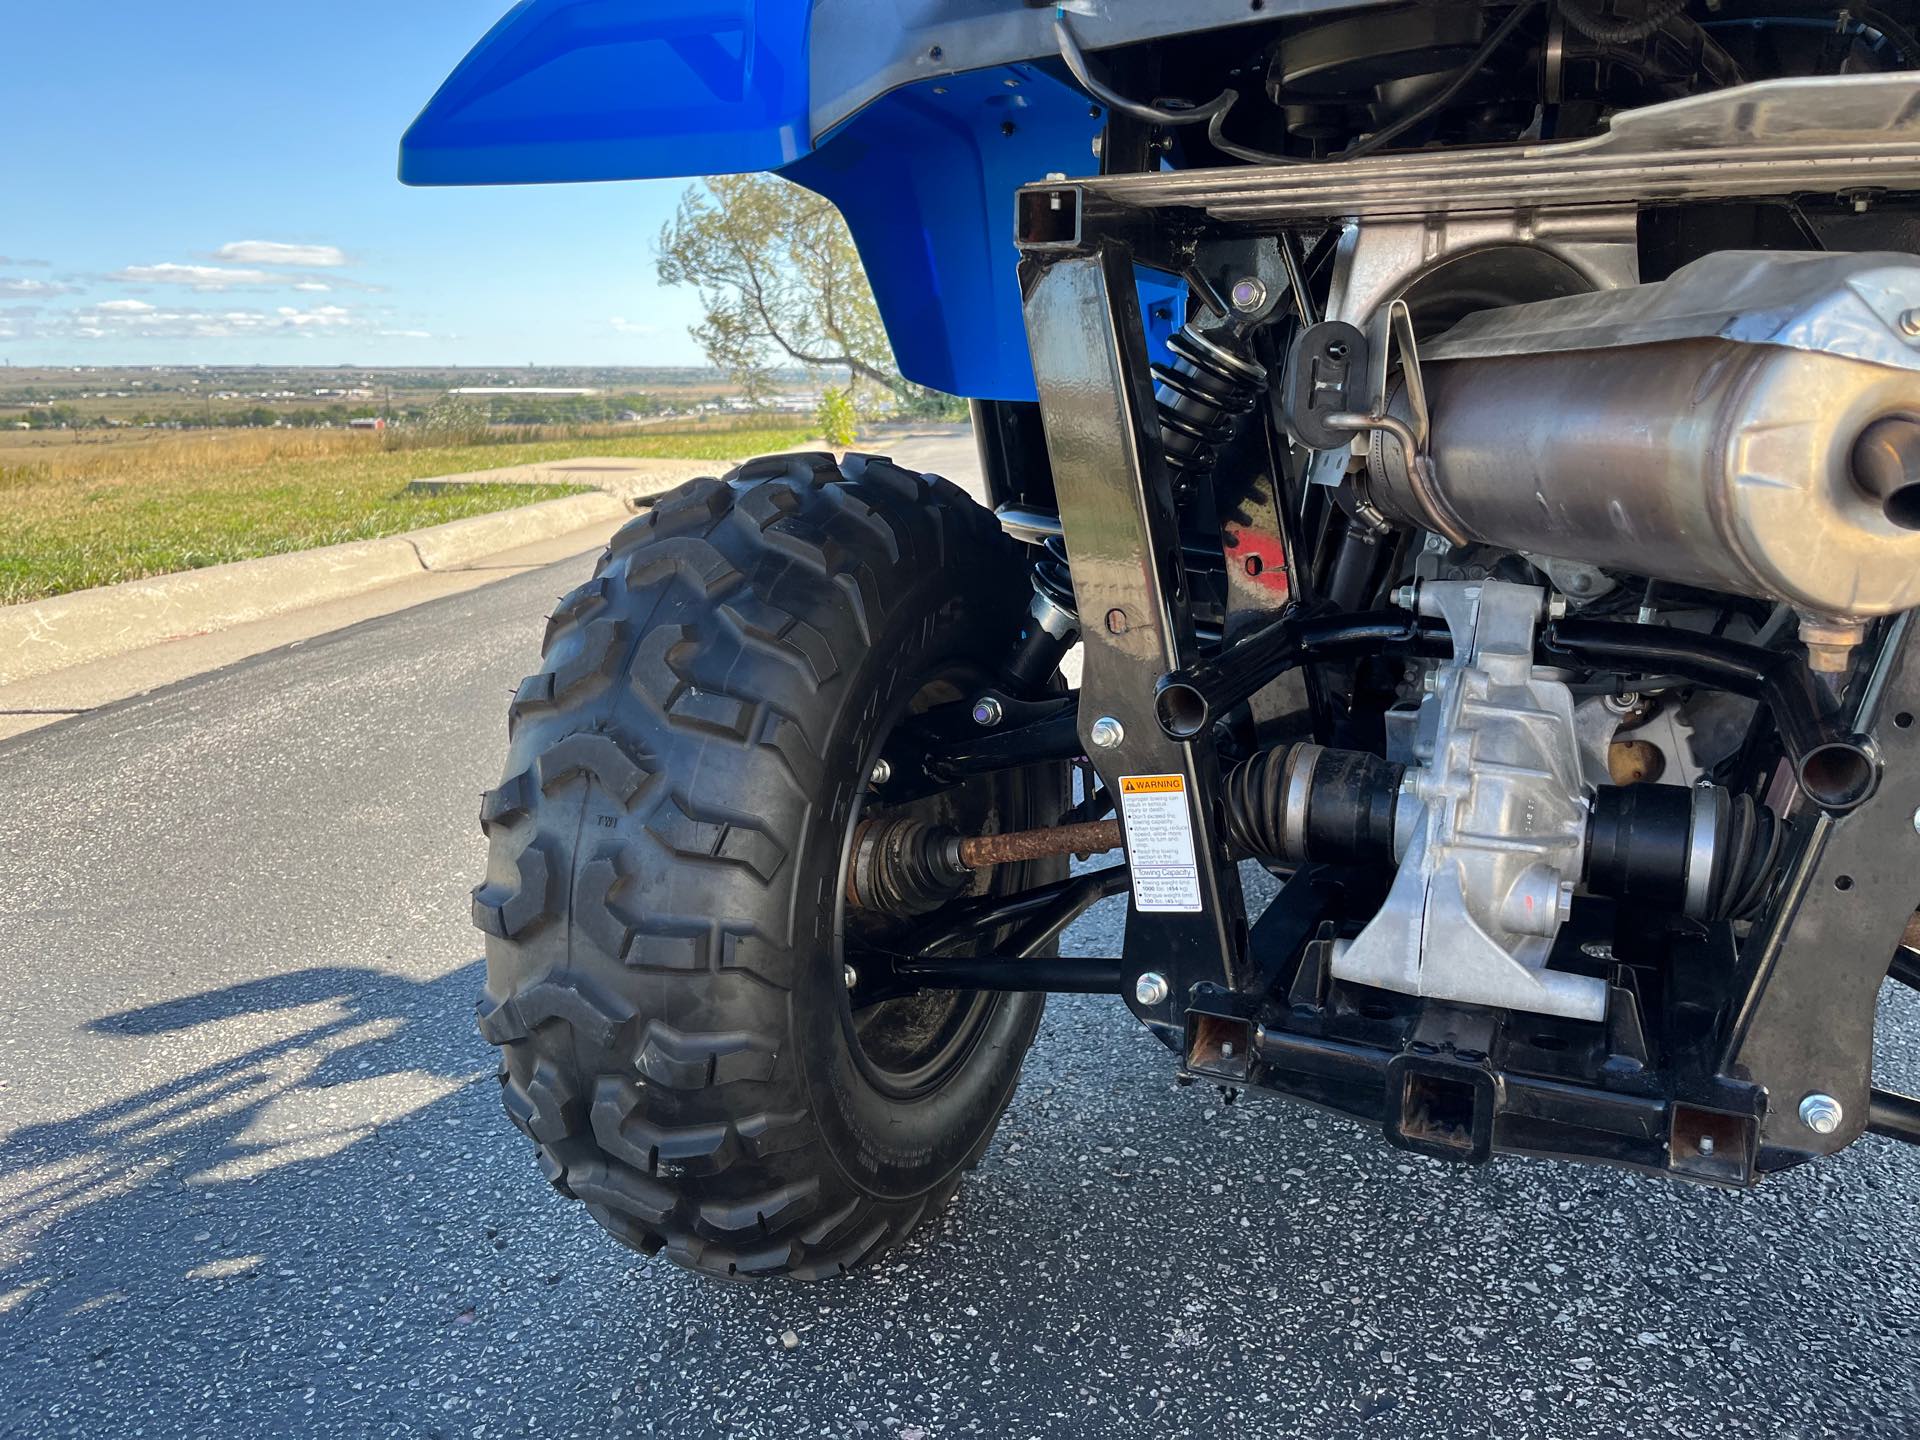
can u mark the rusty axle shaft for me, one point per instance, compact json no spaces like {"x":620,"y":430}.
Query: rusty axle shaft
{"x":979,"y":851}
{"x":908,"y":867}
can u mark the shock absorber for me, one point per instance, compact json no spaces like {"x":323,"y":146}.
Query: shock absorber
{"x":1199,"y":397}
{"x":1201,"y":394}
{"x":1053,"y":624}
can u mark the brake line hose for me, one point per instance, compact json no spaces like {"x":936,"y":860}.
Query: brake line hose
{"x":1076,"y":59}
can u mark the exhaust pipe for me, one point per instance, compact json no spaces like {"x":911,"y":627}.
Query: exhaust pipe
{"x":1751,"y":424}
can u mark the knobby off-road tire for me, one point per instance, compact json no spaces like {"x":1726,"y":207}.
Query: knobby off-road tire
{"x":664,"y":876}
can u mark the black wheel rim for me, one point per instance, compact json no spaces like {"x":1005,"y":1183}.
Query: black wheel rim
{"x":910,"y":1046}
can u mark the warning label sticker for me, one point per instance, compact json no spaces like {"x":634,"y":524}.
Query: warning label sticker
{"x":1159,"y":842}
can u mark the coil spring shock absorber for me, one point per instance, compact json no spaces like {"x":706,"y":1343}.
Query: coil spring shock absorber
{"x":1052,"y":622}
{"x":1201,"y":394}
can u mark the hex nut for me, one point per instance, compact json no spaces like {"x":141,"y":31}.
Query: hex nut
{"x":1821,"y":1113}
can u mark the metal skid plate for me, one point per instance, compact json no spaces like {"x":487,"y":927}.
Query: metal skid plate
{"x":1820,"y":134}
{"x":1454,"y":262}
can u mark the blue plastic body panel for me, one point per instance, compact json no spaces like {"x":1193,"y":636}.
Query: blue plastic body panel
{"x":925,"y":177}
{"x":566,"y":90}
{"x":619,"y":90}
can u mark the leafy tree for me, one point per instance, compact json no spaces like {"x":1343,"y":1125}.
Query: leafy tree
{"x":925,"y":404}
{"x":780,"y":281}
{"x":839,"y":422}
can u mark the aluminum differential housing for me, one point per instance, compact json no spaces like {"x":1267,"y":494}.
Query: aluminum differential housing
{"x":1494,"y":840}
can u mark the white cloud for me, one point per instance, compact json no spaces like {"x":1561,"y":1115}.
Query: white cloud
{"x":631,"y":327}
{"x":23,"y":263}
{"x":313,"y":287}
{"x":274,"y":252}
{"x":324,"y":317}
{"x":11,"y":286}
{"x":404,"y":334}
{"x":135,"y":319}
{"x":199,"y":277}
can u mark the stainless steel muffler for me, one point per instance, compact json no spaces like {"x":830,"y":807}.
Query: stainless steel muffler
{"x":1751,"y":424}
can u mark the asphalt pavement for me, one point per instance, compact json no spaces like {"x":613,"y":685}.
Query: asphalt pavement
{"x":255,"y":1179}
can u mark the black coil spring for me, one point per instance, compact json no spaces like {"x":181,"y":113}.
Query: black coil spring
{"x":1200,"y":396}
{"x":1052,"y":577}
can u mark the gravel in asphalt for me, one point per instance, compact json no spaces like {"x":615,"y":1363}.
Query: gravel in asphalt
{"x":254,"y":1177}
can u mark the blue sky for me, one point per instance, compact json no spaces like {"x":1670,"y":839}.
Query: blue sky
{"x":213,"y":182}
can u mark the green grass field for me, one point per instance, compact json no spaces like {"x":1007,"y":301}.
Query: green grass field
{"x":78,"y":516}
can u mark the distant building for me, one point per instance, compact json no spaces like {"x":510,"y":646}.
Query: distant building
{"x":367,"y":422}
{"x":519,"y":390}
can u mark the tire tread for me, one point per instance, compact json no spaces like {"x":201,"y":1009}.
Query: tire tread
{"x":670,"y":742}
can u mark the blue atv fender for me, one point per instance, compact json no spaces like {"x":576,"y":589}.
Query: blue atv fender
{"x":924,"y":172}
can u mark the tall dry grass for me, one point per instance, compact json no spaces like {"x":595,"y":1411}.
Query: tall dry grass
{"x":161,"y":454}
{"x":78,"y":515}
{"x":29,"y":459}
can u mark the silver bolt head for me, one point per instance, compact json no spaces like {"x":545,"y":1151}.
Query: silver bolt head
{"x":1152,"y":988}
{"x":1705,"y":1145}
{"x":880,"y":774}
{"x":1248,"y":293}
{"x":987,"y":711}
{"x":1557,"y":607}
{"x":1107,"y":733}
{"x":1916,"y":822}
{"x":1821,"y":1114}
{"x":1407,"y":597}
{"x":1910,"y":322}
{"x":850,"y":975}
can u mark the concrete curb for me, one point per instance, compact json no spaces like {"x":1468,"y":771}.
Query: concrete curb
{"x":632,"y":480}
{"x":461,"y":542}
{"x":43,"y":636}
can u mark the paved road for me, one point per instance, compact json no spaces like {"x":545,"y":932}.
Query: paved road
{"x":254,"y":1177}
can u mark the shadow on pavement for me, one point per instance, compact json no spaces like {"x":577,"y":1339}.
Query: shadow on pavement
{"x":262,"y":1163}
{"x":320,"y":1221}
